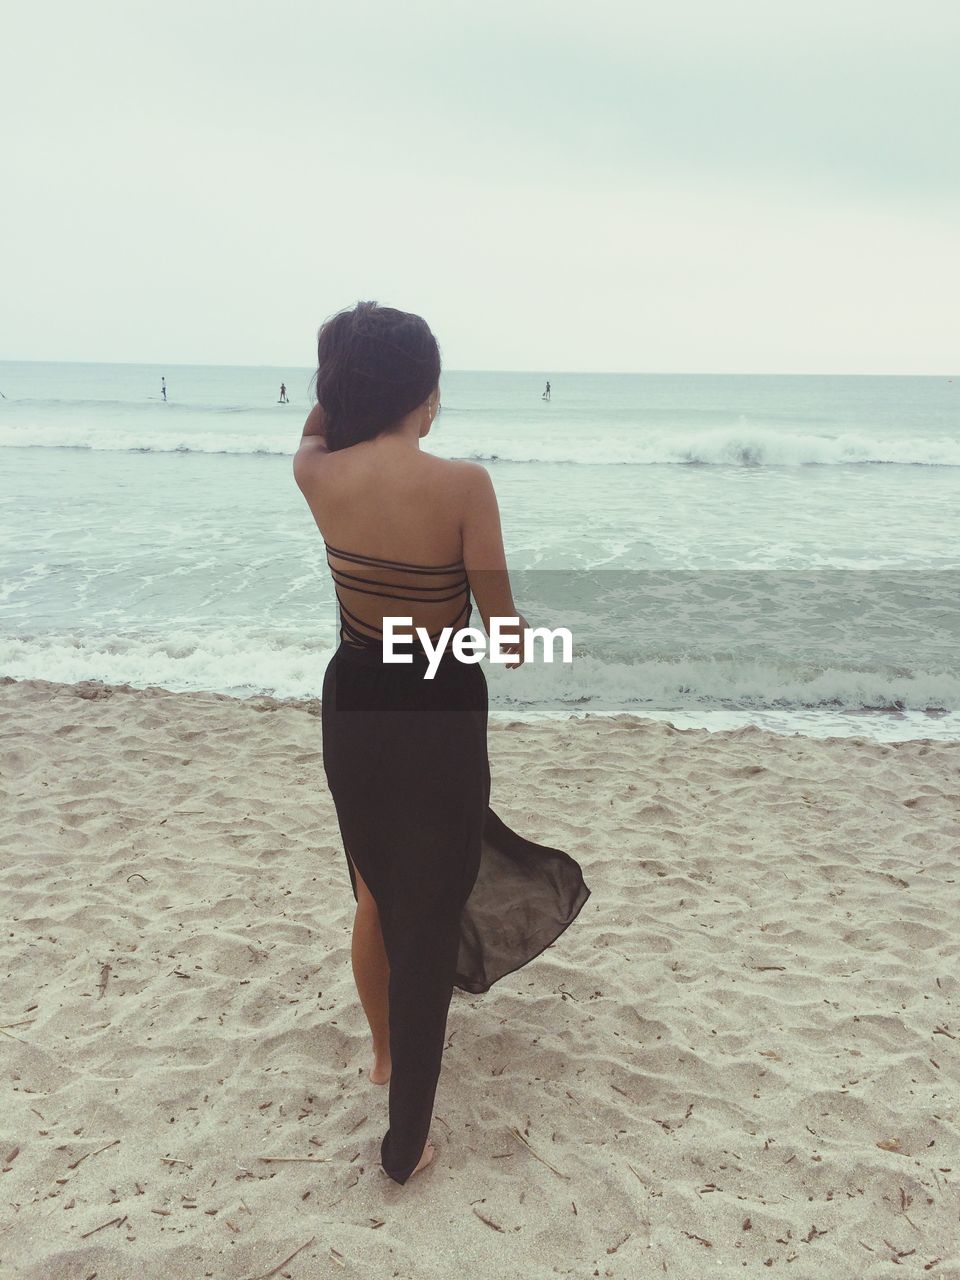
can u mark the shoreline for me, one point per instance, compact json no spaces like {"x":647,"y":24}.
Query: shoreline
{"x":759,"y":1001}
{"x":728,"y":722}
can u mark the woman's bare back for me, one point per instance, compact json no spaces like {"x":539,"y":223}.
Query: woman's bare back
{"x":388,"y":500}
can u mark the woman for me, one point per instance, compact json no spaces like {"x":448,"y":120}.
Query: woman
{"x":447,"y":895}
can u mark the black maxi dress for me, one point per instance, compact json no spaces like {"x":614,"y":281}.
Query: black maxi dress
{"x":463,"y":900}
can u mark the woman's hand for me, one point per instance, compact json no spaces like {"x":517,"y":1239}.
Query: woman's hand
{"x":516,"y":649}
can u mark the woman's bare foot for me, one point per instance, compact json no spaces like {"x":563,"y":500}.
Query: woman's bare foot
{"x":428,"y":1153}
{"x":380,"y":1071}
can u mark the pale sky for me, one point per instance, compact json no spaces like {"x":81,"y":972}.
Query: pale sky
{"x":681,"y":186}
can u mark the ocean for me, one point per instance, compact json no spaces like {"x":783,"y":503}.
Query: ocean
{"x":725,"y":550}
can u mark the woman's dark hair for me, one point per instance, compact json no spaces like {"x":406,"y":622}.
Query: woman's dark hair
{"x":374,"y":365}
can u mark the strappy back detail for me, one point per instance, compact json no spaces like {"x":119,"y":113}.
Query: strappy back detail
{"x":358,"y":631}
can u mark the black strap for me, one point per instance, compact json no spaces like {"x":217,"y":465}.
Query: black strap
{"x":393,"y":564}
{"x":350,"y":623}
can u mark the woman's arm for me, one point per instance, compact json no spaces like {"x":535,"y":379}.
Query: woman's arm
{"x":312,"y":446}
{"x":484,"y":557}
{"x":315,"y":426}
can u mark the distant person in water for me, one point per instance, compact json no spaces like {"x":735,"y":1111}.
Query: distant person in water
{"x":163,"y":387}
{"x":546,"y":394}
{"x":283,"y":394}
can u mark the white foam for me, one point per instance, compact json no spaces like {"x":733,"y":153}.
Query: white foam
{"x":242,"y":663}
{"x":225,"y":662}
{"x":626,"y":444}
{"x":730,"y":447}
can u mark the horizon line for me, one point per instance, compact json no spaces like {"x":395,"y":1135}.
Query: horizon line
{"x":630,"y":373}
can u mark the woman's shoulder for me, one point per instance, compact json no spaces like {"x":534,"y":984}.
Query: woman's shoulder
{"x":470,"y":474}
{"x":361,"y":470}
{"x":465,"y":484}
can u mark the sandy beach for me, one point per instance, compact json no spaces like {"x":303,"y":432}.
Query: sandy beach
{"x":740,"y":1059}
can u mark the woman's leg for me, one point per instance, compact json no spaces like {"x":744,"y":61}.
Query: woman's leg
{"x":423,"y":952}
{"x":371,"y":972}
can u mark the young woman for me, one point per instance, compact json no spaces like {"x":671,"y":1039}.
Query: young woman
{"x":447,"y":895}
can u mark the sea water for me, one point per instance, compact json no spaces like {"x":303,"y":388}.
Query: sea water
{"x":777,"y":550}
